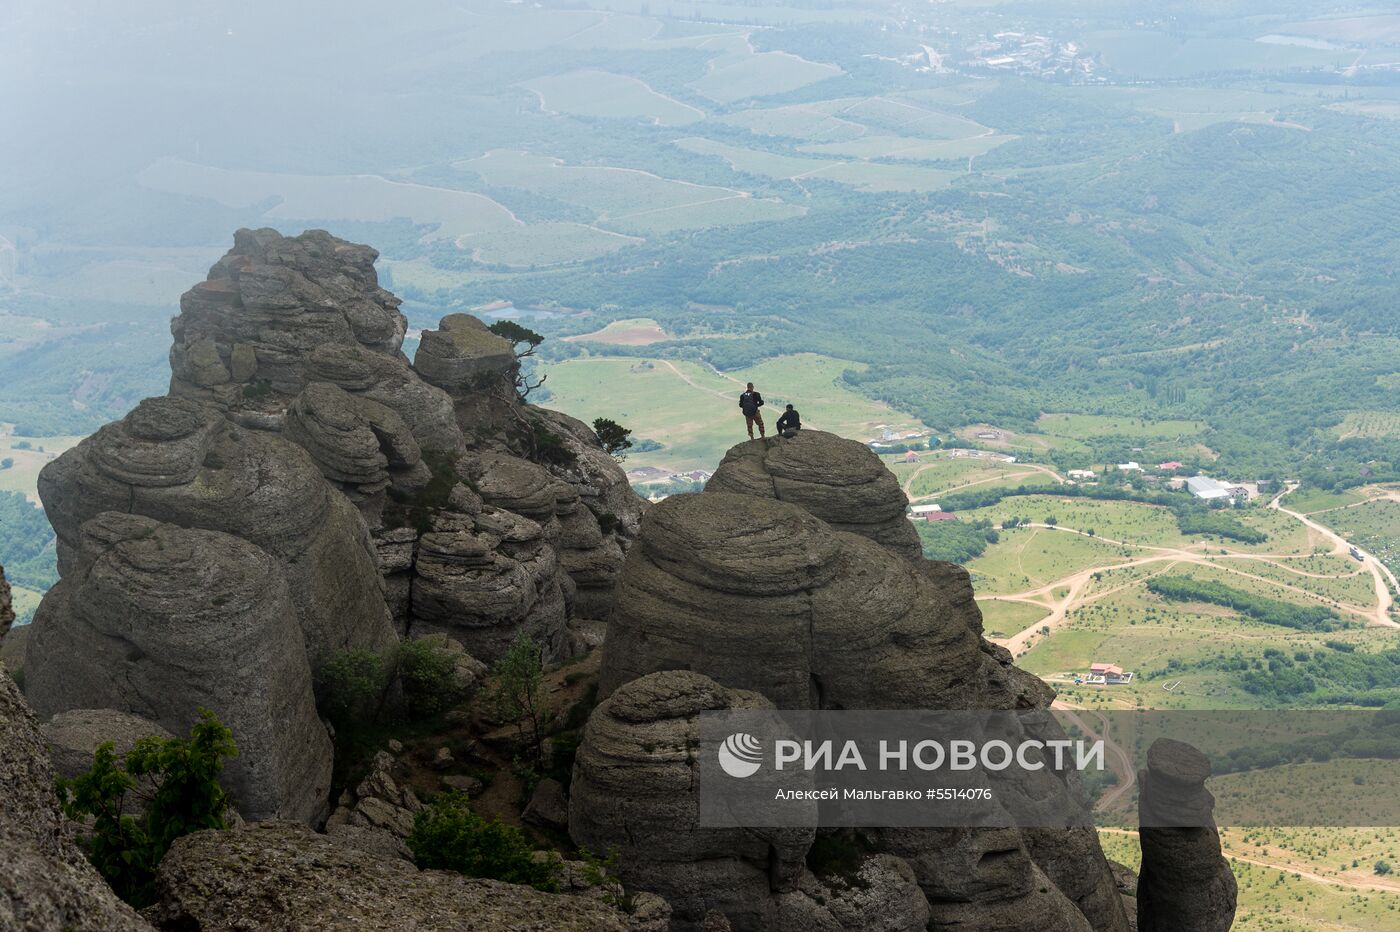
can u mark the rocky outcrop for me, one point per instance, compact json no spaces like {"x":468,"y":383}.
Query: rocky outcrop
{"x":378,"y":814}
{"x":269,"y":303}
{"x":1185,"y":882}
{"x":279,"y":875}
{"x":159,"y":621}
{"x":45,"y":882}
{"x":7,"y":612}
{"x":839,"y":481}
{"x":73,"y":737}
{"x":762,"y":595}
{"x":634,"y":791}
{"x":179,"y":461}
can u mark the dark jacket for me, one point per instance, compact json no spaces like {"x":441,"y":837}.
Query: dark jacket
{"x":790,"y":420}
{"x":750,"y":402}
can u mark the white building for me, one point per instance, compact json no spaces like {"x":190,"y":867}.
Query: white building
{"x":920,"y":510}
{"x":1130,"y":466}
{"x":1081,"y":474}
{"x":1206,"y":488}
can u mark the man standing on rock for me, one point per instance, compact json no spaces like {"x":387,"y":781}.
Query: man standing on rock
{"x":749,"y":403}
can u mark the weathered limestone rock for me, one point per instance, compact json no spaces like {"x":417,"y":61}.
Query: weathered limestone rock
{"x":482,"y":580}
{"x":882,"y":896}
{"x":279,"y":875}
{"x":634,"y":790}
{"x":160,"y":621}
{"x":7,"y":612}
{"x":840,"y":481}
{"x":45,"y":882}
{"x":272,"y":300}
{"x":390,"y":381}
{"x":462,"y":354}
{"x":762,"y":595}
{"x":74,"y":736}
{"x":378,"y":814}
{"x":1185,"y":883}
{"x":179,"y":461}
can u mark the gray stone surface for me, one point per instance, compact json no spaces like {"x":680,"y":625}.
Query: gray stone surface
{"x":160,"y":621}
{"x":272,"y":300}
{"x":1185,"y":882}
{"x":179,"y":461}
{"x":7,"y":612}
{"x":634,"y":790}
{"x":279,"y":875}
{"x":462,"y":354}
{"x":45,"y":882}
{"x":840,"y":481}
{"x":762,"y":595}
{"x":73,"y":737}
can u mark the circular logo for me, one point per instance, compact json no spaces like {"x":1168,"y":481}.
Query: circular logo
{"x":740,"y":755}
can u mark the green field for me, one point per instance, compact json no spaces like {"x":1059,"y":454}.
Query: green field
{"x":603,"y":94}
{"x":743,"y":73}
{"x":1308,"y":500}
{"x":23,"y":476}
{"x":905,"y":147}
{"x":1374,"y":526}
{"x":1271,"y":899}
{"x":1091,"y":426}
{"x":694,"y":411}
{"x":628,"y":200}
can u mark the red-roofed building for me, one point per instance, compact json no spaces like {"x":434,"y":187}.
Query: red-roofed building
{"x":1109,"y":674}
{"x":1169,"y":465}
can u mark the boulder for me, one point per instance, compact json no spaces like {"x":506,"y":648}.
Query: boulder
{"x":269,"y":302}
{"x":548,"y":806}
{"x":280,"y":875}
{"x":179,"y":461}
{"x":839,"y":481}
{"x":463,"y":354}
{"x":45,"y":881}
{"x":634,"y":792}
{"x":159,"y":622}
{"x":74,"y":736}
{"x":1185,"y":882}
{"x":762,"y":595}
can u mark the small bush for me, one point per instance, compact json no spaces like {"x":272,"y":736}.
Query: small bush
{"x":428,"y":672}
{"x":613,"y":436}
{"x":519,"y":693}
{"x":186,"y":797}
{"x":447,"y":835}
{"x":350,"y":685}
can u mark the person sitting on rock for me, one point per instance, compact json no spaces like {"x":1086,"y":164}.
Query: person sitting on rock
{"x":790,"y":423}
{"x":749,"y":403}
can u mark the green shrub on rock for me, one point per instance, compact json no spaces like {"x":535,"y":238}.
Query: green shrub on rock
{"x":181,"y":794}
{"x":448,"y":835}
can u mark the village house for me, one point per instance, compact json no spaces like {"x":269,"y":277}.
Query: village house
{"x":1107,"y":674}
{"x":1207,"y":489}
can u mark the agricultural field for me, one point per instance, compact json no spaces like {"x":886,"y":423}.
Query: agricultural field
{"x":627,"y":200}
{"x":639,"y":331}
{"x":30,"y":454}
{"x":1370,"y":424}
{"x":1310,"y":500}
{"x":1271,"y":898}
{"x":693,"y":411}
{"x":1374,"y":526}
{"x":742,"y":73}
{"x":593,"y":93}
{"x":1094,"y":426}
{"x":940,"y":474}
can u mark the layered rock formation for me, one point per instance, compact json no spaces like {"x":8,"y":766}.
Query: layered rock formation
{"x":45,"y":882}
{"x":159,"y":621}
{"x":279,"y":875}
{"x":634,"y":792}
{"x":744,"y":585}
{"x":1184,"y":883}
{"x":181,"y":462}
{"x":840,"y":481}
{"x":343,"y":497}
